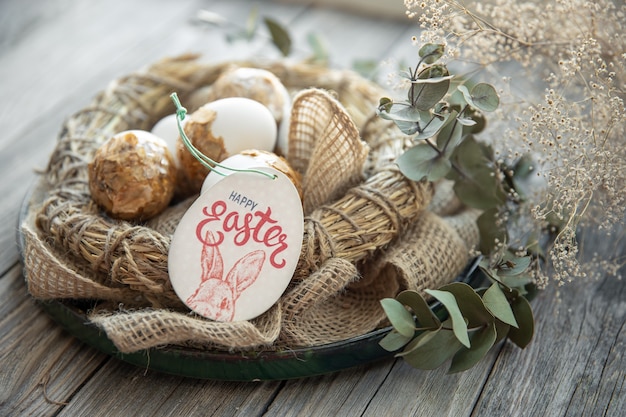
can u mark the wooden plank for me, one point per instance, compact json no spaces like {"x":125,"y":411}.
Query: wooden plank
{"x":42,"y":366}
{"x":126,"y":390}
{"x":17,"y":20}
{"x":575,"y":365}
{"x":18,"y":163}
{"x":411,"y":392}
{"x":345,"y":393}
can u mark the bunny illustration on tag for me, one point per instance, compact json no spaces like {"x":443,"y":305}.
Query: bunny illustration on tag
{"x":235,"y":250}
{"x":216,"y":295}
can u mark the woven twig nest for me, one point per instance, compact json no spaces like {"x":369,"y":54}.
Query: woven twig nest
{"x":369,"y":231}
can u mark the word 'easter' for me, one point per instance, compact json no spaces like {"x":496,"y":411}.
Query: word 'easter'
{"x":258,"y":226}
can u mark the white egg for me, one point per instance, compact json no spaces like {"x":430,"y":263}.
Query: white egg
{"x":167,"y":129}
{"x":243,"y":124}
{"x":238,"y":161}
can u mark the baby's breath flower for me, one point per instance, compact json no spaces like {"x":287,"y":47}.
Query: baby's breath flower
{"x":562,"y":100}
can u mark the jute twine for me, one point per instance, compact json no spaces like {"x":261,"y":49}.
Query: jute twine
{"x":368,"y":230}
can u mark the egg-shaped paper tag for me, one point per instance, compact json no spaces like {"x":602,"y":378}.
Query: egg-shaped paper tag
{"x":236,"y":248}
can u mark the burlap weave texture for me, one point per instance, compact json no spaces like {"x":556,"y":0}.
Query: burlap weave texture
{"x":369,"y":232}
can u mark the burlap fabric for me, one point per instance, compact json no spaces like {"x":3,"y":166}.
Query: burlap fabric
{"x":368,"y":230}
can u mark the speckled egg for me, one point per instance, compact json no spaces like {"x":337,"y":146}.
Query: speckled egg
{"x":132,"y":175}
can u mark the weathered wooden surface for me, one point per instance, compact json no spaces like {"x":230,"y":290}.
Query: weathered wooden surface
{"x":55,"y":55}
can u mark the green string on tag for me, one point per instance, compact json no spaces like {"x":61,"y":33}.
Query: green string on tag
{"x":181,"y":112}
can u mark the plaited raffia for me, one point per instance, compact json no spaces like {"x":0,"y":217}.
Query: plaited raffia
{"x":368,"y":230}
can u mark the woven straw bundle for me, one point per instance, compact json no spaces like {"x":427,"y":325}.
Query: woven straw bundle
{"x":369,"y":232}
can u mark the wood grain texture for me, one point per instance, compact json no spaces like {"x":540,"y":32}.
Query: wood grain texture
{"x":42,"y":366}
{"x":121,"y":389}
{"x":575,"y":365}
{"x":56,"y":55}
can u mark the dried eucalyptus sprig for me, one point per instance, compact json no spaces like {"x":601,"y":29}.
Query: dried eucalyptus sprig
{"x":477,"y":319}
{"x":442,"y":115}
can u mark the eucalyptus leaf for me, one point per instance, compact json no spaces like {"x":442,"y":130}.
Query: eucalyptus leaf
{"x":423,"y":162}
{"x":432,"y":127}
{"x":459,"y":326}
{"x":400,"y":318}
{"x":451,"y":135}
{"x":522,"y":180}
{"x":524,"y":167}
{"x":431,"y":52}
{"x":440,"y":108}
{"x":485,"y":97}
{"x":408,"y":128}
{"x":320,"y":52}
{"x":252,"y":23}
{"x":394,"y":341}
{"x":497,"y":303}
{"x":422,"y":339}
{"x":366,"y":67}
{"x":434,"y":348}
{"x":502,"y":330}
{"x":212,"y":18}
{"x":517,"y":281}
{"x":434,"y":72}
{"x":280,"y":36}
{"x":523,"y":312}
{"x":407,"y":119}
{"x":477,"y":192}
{"x":490,"y":230}
{"x":430,"y":87}
{"x":408,"y":114}
{"x":432,"y":80}
{"x":456,"y":97}
{"x":425,"y":316}
{"x":470,"y":303}
{"x":478,"y":186}
{"x":482,"y":340}
{"x":466,"y":121}
{"x":385,"y":104}
{"x":482,"y":96}
{"x":466,"y":94}
{"x":480,"y":123}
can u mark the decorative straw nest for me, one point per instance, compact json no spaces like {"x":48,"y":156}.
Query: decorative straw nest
{"x":369,"y":232}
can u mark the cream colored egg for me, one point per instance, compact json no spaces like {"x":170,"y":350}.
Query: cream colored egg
{"x":243,"y":123}
{"x":167,"y":129}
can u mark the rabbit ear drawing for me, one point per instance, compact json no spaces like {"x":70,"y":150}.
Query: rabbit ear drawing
{"x":245,"y":271}
{"x":211,"y":259}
